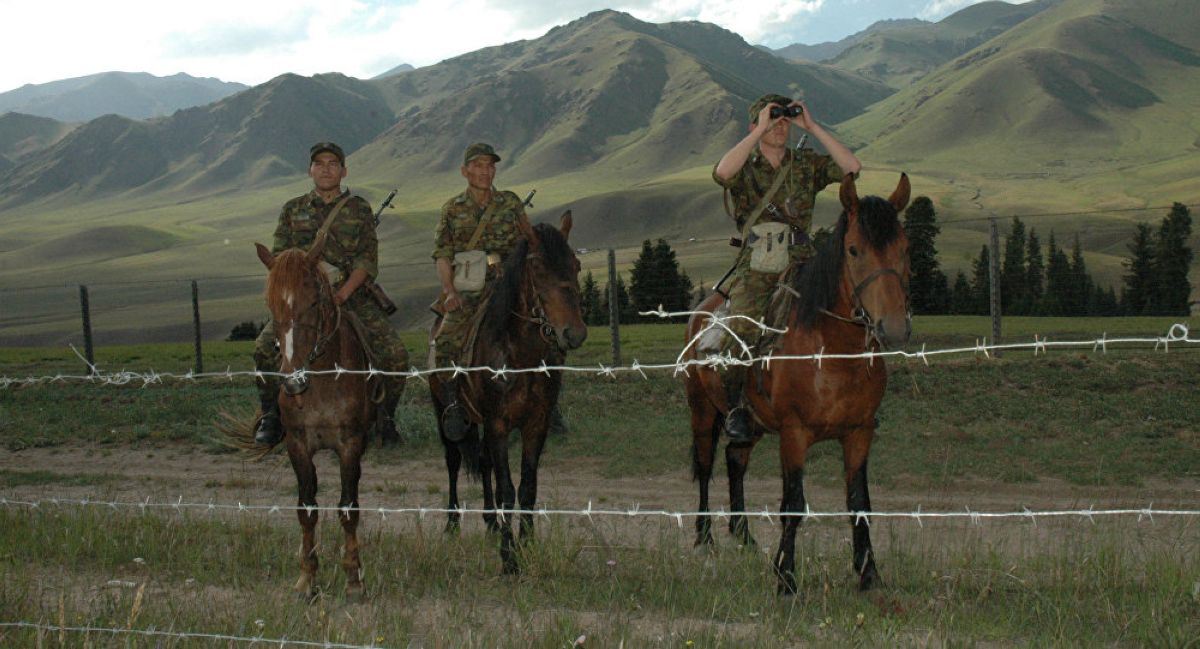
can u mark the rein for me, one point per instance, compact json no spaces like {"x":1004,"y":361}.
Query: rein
{"x":859,"y":316}
{"x":537,"y":312}
{"x":298,"y":384}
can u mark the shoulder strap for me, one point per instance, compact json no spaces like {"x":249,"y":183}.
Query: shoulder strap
{"x":752,"y":220}
{"x":483,"y":220}
{"x":323,"y":233}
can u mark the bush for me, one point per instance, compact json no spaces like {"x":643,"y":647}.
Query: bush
{"x":245,"y":330}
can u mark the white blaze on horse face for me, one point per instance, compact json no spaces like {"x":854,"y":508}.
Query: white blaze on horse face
{"x":288,"y":345}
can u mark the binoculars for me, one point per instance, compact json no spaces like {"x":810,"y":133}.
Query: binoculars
{"x":786,"y":111}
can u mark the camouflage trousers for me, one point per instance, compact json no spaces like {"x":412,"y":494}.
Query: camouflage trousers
{"x":749,"y":295}
{"x":385,"y":344}
{"x":451,"y":339}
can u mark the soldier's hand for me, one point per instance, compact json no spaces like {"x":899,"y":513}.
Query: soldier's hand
{"x":340,"y":297}
{"x":452,"y":302}
{"x":804,"y":120}
{"x":765,"y":122}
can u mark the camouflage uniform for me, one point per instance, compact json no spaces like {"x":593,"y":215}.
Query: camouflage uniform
{"x":351,"y":245}
{"x":460,"y":218}
{"x":808,"y":173}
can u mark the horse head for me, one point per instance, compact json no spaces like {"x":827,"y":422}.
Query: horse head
{"x":299,"y":300}
{"x":553,"y":272}
{"x":875,"y":251}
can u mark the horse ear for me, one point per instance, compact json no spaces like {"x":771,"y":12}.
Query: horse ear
{"x":264,"y":255}
{"x":527,"y":230}
{"x":564,"y":224}
{"x":899,"y":198}
{"x":849,"y":194}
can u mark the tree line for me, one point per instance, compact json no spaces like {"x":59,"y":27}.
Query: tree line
{"x":1055,"y":282}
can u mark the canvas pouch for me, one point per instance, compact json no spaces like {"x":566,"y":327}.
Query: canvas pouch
{"x":769,"y":247}
{"x":470,"y":270}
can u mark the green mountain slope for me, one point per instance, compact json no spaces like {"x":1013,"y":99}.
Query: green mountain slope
{"x":136,"y":95}
{"x":903,"y":54}
{"x":21,"y":134}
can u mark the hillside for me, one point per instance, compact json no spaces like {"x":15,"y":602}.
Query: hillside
{"x":829,"y":49}
{"x":135,"y":95}
{"x":900,"y":55}
{"x":21,"y":135}
{"x":244,"y":140}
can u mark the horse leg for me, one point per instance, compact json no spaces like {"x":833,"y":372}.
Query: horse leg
{"x":306,"y":486}
{"x":792,"y":453}
{"x":350,"y":459}
{"x":453,"y":463}
{"x":737,"y":459}
{"x":489,"y":494}
{"x":496,"y":438}
{"x":855,"y":448}
{"x":706,"y":425}
{"x":532,"y":443}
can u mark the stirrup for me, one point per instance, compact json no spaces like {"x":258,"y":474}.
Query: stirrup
{"x":737,"y":425}
{"x":270,"y":430}
{"x":454,"y":422}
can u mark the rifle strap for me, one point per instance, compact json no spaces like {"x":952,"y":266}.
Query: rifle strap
{"x":483,"y":221}
{"x":323,"y":233}
{"x":752,"y":219}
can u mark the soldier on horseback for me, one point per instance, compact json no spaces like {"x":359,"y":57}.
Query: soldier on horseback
{"x":350,"y":256}
{"x":773,"y":189}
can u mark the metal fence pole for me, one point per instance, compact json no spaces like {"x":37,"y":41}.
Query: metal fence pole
{"x":614,"y":309}
{"x":87,"y":327}
{"x":196,"y":324}
{"x":994,"y":273}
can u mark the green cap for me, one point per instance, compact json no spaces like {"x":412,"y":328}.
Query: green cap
{"x":322,"y":147}
{"x":770,"y":98}
{"x":478,"y":149}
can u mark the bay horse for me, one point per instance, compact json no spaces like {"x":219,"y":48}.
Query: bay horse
{"x":852,"y":298}
{"x":322,"y":411}
{"x":532,"y":318}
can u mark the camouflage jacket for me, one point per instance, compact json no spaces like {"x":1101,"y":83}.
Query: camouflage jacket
{"x":460,"y":218}
{"x":810,"y":172}
{"x":351,"y":243}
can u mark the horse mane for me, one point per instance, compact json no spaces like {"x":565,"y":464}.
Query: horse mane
{"x":817,"y":283}
{"x":506,"y":292}
{"x":288,"y":272}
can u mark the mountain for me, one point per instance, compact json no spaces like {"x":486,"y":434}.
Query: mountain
{"x":1106,"y":80}
{"x":21,"y":135}
{"x":830,"y":49}
{"x":399,"y":69}
{"x":901,"y":54}
{"x":241,"y":141}
{"x":135,"y":95}
{"x":607,"y":92}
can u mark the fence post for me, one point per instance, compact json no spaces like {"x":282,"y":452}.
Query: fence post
{"x":614,"y":309}
{"x":87,"y":328}
{"x":196,"y":324}
{"x":994,"y":275}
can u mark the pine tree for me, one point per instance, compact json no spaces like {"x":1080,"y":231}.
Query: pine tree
{"x":656,"y":280}
{"x":590,"y":302}
{"x":1058,"y":280}
{"x":1012,"y":269}
{"x":981,"y":284}
{"x":927,"y":284}
{"x":1035,"y":275}
{"x":1081,"y":286}
{"x":1138,"y":297}
{"x":1173,"y":258}
{"x":962,"y":300}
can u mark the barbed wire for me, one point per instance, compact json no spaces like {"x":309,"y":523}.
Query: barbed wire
{"x":1177,"y":334}
{"x":185,"y":635}
{"x":591,"y":512}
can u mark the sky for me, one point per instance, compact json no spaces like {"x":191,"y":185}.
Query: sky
{"x":253,"y":41}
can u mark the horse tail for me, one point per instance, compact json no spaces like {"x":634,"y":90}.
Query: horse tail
{"x":472,"y":452}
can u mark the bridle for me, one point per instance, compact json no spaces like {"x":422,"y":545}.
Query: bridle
{"x":537,"y":311}
{"x":297,"y":383}
{"x":860,"y":316}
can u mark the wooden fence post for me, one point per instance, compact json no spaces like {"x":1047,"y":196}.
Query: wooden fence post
{"x":614,"y":308}
{"x":994,"y":274}
{"x":87,"y":328}
{"x":196,"y":323}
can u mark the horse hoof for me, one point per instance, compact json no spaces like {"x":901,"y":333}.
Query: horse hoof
{"x":452,"y":528}
{"x":355,"y":594}
{"x":704,"y":541}
{"x":869,"y":580}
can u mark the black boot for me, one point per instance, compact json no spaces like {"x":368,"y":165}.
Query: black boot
{"x":269,"y":431}
{"x":737,"y":422}
{"x":454,"y":415}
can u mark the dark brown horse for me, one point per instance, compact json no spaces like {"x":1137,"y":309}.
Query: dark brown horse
{"x":853,"y":298}
{"x":322,"y":411}
{"x":533,"y":317}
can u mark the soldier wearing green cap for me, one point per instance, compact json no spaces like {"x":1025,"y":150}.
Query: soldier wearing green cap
{"x":477,"y":230}
{"x":352,"y":249}
{"x":772,"y":189}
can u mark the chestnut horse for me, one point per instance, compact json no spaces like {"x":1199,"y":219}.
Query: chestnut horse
{"x":322,"y":411}
{"x":532,"y":318}
{"x":853,"y":298}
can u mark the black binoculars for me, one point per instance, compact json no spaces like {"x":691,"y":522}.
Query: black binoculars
{"x":786,"y":111}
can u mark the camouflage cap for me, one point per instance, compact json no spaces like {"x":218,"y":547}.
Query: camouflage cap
{"x":478,"y":149}
{"x":322,"y":147}
{"x":769,"y":98}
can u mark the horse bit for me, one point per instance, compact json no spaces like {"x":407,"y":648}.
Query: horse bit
{"x":296,"y":383}
{"x":859,"y":316}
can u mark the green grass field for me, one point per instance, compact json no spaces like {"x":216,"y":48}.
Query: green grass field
{"x":1064,"y":430}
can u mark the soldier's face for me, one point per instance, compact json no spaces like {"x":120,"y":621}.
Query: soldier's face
{"x":777,"y":135}
{"x":480,"y":172}
{"x":326,"y":171}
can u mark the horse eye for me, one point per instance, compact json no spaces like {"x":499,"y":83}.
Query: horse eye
{"x":853,"y":251}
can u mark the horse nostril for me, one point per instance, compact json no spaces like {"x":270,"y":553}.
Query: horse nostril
{"x":575,"y":336}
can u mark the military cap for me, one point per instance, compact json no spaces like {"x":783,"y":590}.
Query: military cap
{"x":478,"y":149}
{"x":322,"y":147}
{"x":769,"y":98}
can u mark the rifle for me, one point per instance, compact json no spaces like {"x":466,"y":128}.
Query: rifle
{"x":387,"y":202}
{"x":528,"y":202}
